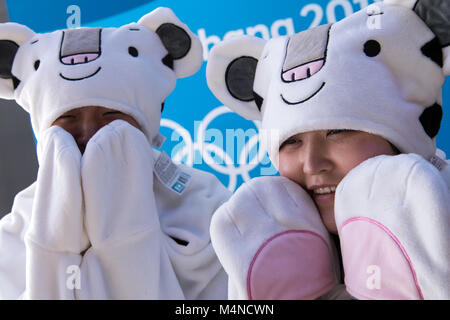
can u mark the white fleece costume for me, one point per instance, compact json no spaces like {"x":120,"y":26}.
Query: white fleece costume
{"x":380,"y":71}
{"x":106,"y":224}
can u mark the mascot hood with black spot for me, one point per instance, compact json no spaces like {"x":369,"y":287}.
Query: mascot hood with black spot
{"x":379,"y":70}
{"x":131,"y":69}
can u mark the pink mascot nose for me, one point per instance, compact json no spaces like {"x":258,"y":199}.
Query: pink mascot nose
{"x":80,"y":58}
{"x":304,"y":71}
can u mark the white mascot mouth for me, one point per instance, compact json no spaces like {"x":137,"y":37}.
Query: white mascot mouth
{"x":85,"y":77}
{"x":304,"y":100}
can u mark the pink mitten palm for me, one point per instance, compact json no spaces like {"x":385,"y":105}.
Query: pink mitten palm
{"x":271,"y":241}
{"x":392,"y":214}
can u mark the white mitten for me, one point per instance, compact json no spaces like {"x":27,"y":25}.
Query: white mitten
{"x":55,"y":237}
{"x":127,"y":259}
{"x":393,"y":218}
{"x":272,"y":243}
{"x":117,"y":176}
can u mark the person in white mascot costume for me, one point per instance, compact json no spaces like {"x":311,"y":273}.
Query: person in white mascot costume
{"x":352,"y":110}
{"x":108,"y":218}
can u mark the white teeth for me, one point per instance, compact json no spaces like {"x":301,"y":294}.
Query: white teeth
{"x":324,"y":190}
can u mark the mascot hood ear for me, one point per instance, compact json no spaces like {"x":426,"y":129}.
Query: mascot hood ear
{"x":230,"y":74}
{"x":184,"y":47}
{"x":436,"y":15}
{"x":12,"y":36}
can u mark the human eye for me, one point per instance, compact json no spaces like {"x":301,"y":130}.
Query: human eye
{"x":336,"y":131}
{"x":290,"y":142}
{"x":112,"y":112}
{"x":66,"y":117}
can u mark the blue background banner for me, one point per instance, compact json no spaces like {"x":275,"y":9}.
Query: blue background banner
{"x":199,"y":130}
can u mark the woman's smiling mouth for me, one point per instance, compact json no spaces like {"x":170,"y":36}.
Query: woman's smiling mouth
{"x":322,"y":195}
{"x":324,"y":190}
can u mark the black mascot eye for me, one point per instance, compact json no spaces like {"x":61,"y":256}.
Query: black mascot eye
{"x":36,"y":64}
{"x":133,"y":51}
{"x":372,"y":48}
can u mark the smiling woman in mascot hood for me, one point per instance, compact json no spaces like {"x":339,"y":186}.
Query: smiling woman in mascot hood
{"x":380,"y":72}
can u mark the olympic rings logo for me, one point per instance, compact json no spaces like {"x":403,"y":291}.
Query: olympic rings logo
{"x":219,"y":155}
